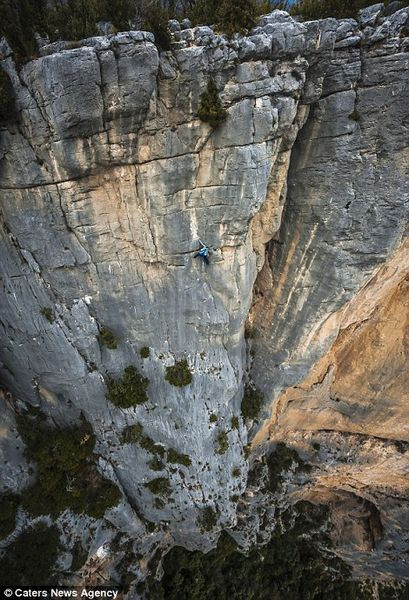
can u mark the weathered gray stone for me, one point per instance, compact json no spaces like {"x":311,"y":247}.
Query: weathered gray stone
{"x":107,"y":184}
{"x":368,"y":16}
{"x":173,"y":25}
{"x":186,"y":24}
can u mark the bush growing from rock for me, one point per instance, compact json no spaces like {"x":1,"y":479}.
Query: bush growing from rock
{"x":222,"y":443}
{"x":31,"y":558}
{"x":8,"y":111}
{"x":129,"y":390}
{"x":156,"y":21}
{"x":48,"y":314}
{"x":321,"y":9}
{"x":79,"y":556}
{"x":280,"y":461}
{"x":107,"y":338}
{"x":237,"y":16}
{"x":144,"y":352}
{"x":179,"y":374}
{"x":210,"y":109}
{"x":291,"y":566}
{"x":231,"y":16}
{"x":156,"y":465}
{"x":8,"y":509}
{"x":354,"y":116}
{"x":235,"y":423}
{"x":159,"y":487}
{"x":133,"y":434}
{"x":207,"y":519}
{"x":176,"y":457}
{"x":251,"y":403}
{"x":67,"y":476}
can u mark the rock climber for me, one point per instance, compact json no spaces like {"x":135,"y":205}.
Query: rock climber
{"x":203,"y":252}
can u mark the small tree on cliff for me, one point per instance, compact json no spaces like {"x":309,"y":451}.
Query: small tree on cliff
{"x":211,"y":109}
{"x":8,"y":111}
{"x":320,"y":9}
{"x":231,"y":16}
{"x":237,"y":16}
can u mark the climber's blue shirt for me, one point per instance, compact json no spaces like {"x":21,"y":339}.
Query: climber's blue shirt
{"x":203,"y":251}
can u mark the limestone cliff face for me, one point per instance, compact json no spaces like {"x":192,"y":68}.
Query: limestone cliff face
{"x":108,"y":181}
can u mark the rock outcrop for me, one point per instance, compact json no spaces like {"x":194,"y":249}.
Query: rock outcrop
{"x":109,"y":179}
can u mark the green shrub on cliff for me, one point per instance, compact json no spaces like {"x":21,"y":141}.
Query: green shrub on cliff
{"x":79,"y":557}
{"x":321,"y":9}
{"x":231,"y":16}
{"x":128,"y":390}
{"x":207,"y":519}
{"x":252,"y":402}
{"x":8,"y":111}
{"x":179,"y":458}
{"x":31,"y":558}
{"x":291,"y":566}
{"x":144,"y":352}
{"x":211,"y":110}
{"x":156,"y":464}
{"x":20,"y":20}
{"x":8,"y":509}
{"x":156,"y":21}
{"x":107,"y":338}
{"x":66,"y":472}
{"x":237,"y":16}
{"x":48,"y":314}
{"x":179,"y":374}
{"x":235,"y":423}
{"x":134,"y":434}
{"x":280,"y":461}
{"x":159,"y":487}
{"x":222,"y":443}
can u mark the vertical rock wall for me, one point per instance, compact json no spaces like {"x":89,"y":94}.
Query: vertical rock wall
{"x":109,"y":179}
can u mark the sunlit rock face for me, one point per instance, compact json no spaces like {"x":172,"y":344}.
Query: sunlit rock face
{"x":108,"y":182}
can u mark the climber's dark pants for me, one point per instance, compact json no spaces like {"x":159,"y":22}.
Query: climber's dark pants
{"x":202,"y":256}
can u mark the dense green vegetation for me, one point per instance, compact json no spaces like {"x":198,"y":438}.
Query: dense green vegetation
{"x":222,"y":443}
{"x":156,"y":464}
{"x":79,"y":556}
{"x":48,"y":314}
{"x":179,"y":458}
{"x":210,"y":109}
{"x":144,"y":352}
{"x":341,"y":9}
{"x":107,"y":338}
{"x":31,"y":558}
{"x":67,"y":476}
{"x":159,"y":487}
{"x":179,"y":374}
{"x":292,"y":565}
{"x":128,"y":390}
{"x":235,"y":423}
{"x":8,"y":112}
{"x":8,"y":509}
{"x":252,"y":401}
{"x":134,"y":434}
{"x":280,"y":461}
{"x":207,"y":519}
{"x":70,"y":20}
